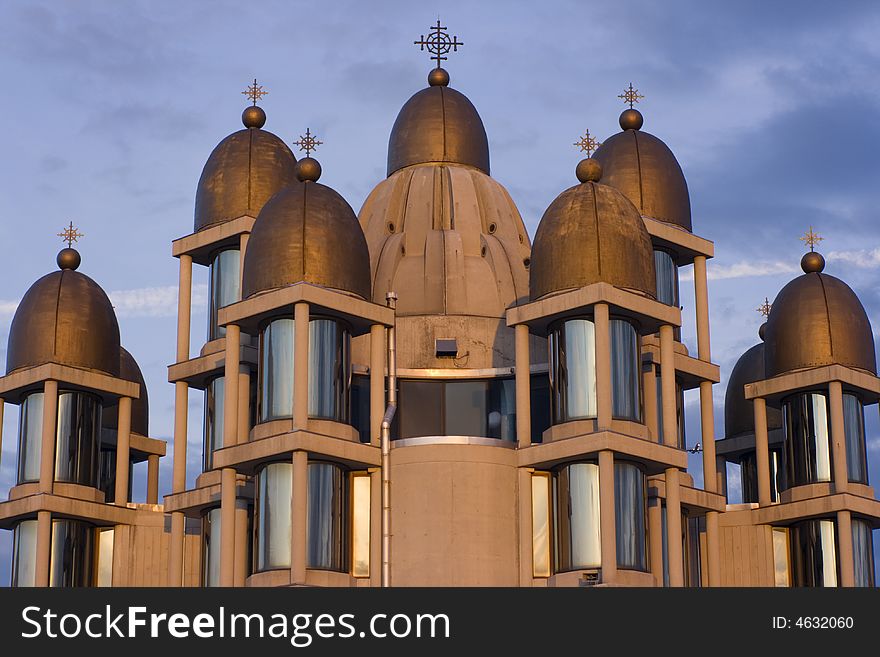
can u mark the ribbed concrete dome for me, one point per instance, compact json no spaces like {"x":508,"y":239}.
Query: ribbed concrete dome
{"x":739,"y":415}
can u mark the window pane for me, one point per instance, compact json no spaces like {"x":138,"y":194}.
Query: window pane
{"x":214,"y":412}
{"x":625,"y":371}
{"x":224,"y":283}
{"x":807,"y":447}
{"x":863,"y":553}
{"x":541,"y":525}
{"x":577,"y":514}
{"x":24,"y":554}
{"x":211,"y":548}
{"x":467,"y":408}
{"x":360,"y":525}
{"x":360,"y":406}
{"x":104,"y":574}
{"x":276,"y":375}
{"x":326,"y":505}
{"x":30,"y":438}
{"x":72,"y":560}
{"x":854,"y":428}
{"x":421,"y":409}
{"x":328,"y":370}
{"x":780,"y":556}
{"x":573,"y":370}
{"x":813,"y":553}
{"x":667,"y":278}
{"x":77,"y":442}
{"x":629,"y":508}
{"x":679,"y":410}
{"x":272,"y":516}
{"x":540,"y":402}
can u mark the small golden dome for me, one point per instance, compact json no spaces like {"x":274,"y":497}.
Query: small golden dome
{"x":307,"y":232}
{"x":641,"y":166}
{"x":590,"y":234}
{"x":739,"y":415}
{"x":589,"y":170}
{"x":818,"y":320}
{"x":140,"y":407}
{"x":242,"y":173}
{"x":309,"y":169}
{"x":65,"y":317}
{"x":438,"y":124}
{"x":253,"y":117}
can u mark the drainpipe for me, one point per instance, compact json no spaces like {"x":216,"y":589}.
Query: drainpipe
{"x":391,"y":300}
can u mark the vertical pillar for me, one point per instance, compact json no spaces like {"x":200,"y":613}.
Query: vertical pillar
{"x":762,"y":451}
{"x":47,"y":446}
{"x":242,"y":249}
{"x":299,"y":517}
{"x":649,"y":390}
{"x":701,"y":302}
{"x":607,"y":523}
{"x":241,"y":548}
{"x":44,"y":548}
{"x":673,"y":528}
{"x":181,"y":404}
{"x":845,"y":549}
{"x":230,"y":383}
{"x":153,"y":479}
{"x":838,"y":437}
{"x":227,"y":527}
{"x":713,"y":547}
{"x":301,"y":366}
{"x":123,"y":452}
{"x":655,"y":538}
{"x":244,"y":403}
{"x":377,"y":384}
{"x":604,"y":408}
{"x":707,"y":426}
{"x":2,"y":408}
{"x":523,"y":388}
{"x":375,"y":527}
{"x":667,"y":386}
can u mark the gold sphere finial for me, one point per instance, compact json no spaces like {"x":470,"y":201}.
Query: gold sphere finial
{"x":762,"y":331}
{"x":588,"y":170}
{"x":438,"y":43}
{"x":631,"y":119}
{"x":253,"y":117}
{"x":308,"y":169}
{"x":68,"y":258}
{"x":813,"y":263}
{"x":438,"y":77}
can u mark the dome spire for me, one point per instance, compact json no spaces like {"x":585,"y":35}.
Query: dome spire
{"x":69,"y":258}
{"x":588,"y":169}
{"x":308,"y":168}
{"x":764,"y":309}
{"x":253,"y":116}
{"x":631,"y":119}
{"x":439,"y":44}
{"x":812,"y":262}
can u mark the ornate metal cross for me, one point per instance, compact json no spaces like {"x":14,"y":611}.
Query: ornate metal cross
{"x":588,"y":143}
{"x":764,"y":308}
{"x":630,"y":95}
{"x":70,"y":235}
{"x":811,"y":239}
{"x":438,"y":43}
{"x":254,"y":91}
{"x":308,"y":143}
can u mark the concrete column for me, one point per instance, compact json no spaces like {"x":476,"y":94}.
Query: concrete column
{"x":523,"y":388}
{"x":667,"y":385}
{"x":377,"y":384}
{"x":707,"y":426}
{"x":299,"y":517}
{"x":49,"y":431}
{"x":713,"y":548}
{"x":244,"y":403}
{"x":762,"y":451}
{"x":227,"y":527}
{"x":845,"y":549}
{"x":44,"y":548}
{"x":301,"y":366}
{"x":184,"y":308}
{"x":175,"y":549}
{"x":838,"y":437}
{"x":375,"y":527}
{"x":673,"y":528}
{"x":649,"y":391}
{"x":607,"y":524}
{"x":701,"y":301}
{"x":230,"y":383}
{"x":655,"y":538}
{"x":123,"y":452}
{"x":604,"y":408}
{"x":241,"y":543}
{"x":153,"y":479}
{"x":2,"y":408}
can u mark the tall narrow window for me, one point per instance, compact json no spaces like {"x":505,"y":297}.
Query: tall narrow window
{"x":854,"y":428}
{"x":326,"y":529}
{"x":225,"y":287}
{"x":573,"y":370}
{"x":579,"y":544}
{"x":361,"y":510}
{"x":24,"y":554}
{"x":679,"y":410}
{"x":629,"y":513}
{"x":813,"y":553}
{"x":272,"y":516}
{"x":211,"y":547}
{"x":73,"y":554}
{"x":807,"y":445}
{"x":30,"y":429}
{"x":667,"y":278}
{"x":541,"y":524}
{"x":276,"y":370}
{"x":781,"y":551}
{"x":626,"y":376}
{"x":863,"y":552}
{"x":214,"y":412}
{"x":104,"y":562}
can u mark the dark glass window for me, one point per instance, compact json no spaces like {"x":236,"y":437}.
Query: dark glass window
{"x":629,"y":514}
{"x":749,"y":475}
{"x":326,"y":517}
{"x":626,"y":376}
{"x":224,"y":287}
{"x":863,"y":552}
{"x":807,"y":444}
{"x":813,"y":553}
{"x":214,"y":414}
{"x":30,"y":438}
{"x":854,"y":428}
{"x":73,"y":554}
{"x":107,"y":471}
{"x":539,"y":395}
{"x":667,"y":278}
{"x":360,"y":406}
{"x":211,"y":547}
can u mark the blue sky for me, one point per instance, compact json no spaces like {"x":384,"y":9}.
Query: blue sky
{"x":114,"y":107}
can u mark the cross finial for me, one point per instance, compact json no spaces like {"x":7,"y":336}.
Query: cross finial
{"x":764,"y":308}
{"x":588,"y":143}
{"x":811,"y":239}
{"x":308,"y":143}
{"x":254,"y":91}
{"x":630,"y":95}
{"x":70,"y":235}
{"x":438,"y":43}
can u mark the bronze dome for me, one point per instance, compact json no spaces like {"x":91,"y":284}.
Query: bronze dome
{"x":65,"y":317}
{"x":818,"y":320}
{"x":307,"y":232}
{"x":241,"y":174}
{"x":591,"y":233}
{"x":739,"y":414}
{"x":438,"y":124}
{"x":641,"y":166}
{"x":140,"y":407}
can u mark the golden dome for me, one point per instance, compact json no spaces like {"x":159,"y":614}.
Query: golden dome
{"x":591,"y":233}
{"x":739,"y":415}
{"x":816,"y":320}
{"x":242,"y":173}
{"x":438,"y":124}
{"x":307,"y":232}
{"x":641,"y":166}
{"x":65,"y":317}
{"x":140,"y":407}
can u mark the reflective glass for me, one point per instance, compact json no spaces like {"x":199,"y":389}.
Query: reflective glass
{"x":24,"y":554}
{"x":211,"y":548}
{"x":272,"y":516}
{"x":807,"y":445}
{"x":360,"y":406}
{"x":626,"y":375}
{"x":214,"y":412}
{"x":78,"y":439}
{"x":854,"y":428}
{"x":695,"y":528}
{"x":107,"y":472}
{"x":749,"y":475}
{"x":863,"y":553}
{"x":781,"y":551}
{"x":541,"y":525}
{"x":629,"y":514}
{"x":73,"y":554}
{"x":813,"y":553}
{"x":276,"y":370}
{"x":326,"y":510}
{"x":576,"y":512}
{"x":224,"y":287}
{"x":360,"y":525}
{"x":573,"y":370}
{"x":329,"y":370}
{"x":540,"y":404}
{"x":30,"y":429}
{"x":104,"y":570}
{"x":667,"y":278}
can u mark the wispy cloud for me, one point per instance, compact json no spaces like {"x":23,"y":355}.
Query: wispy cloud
{"x":865,"y":258}
{"x":744,"y":270}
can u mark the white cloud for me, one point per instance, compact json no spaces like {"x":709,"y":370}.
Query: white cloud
{"x":744,"y":270}
{"x":866,"y":258}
